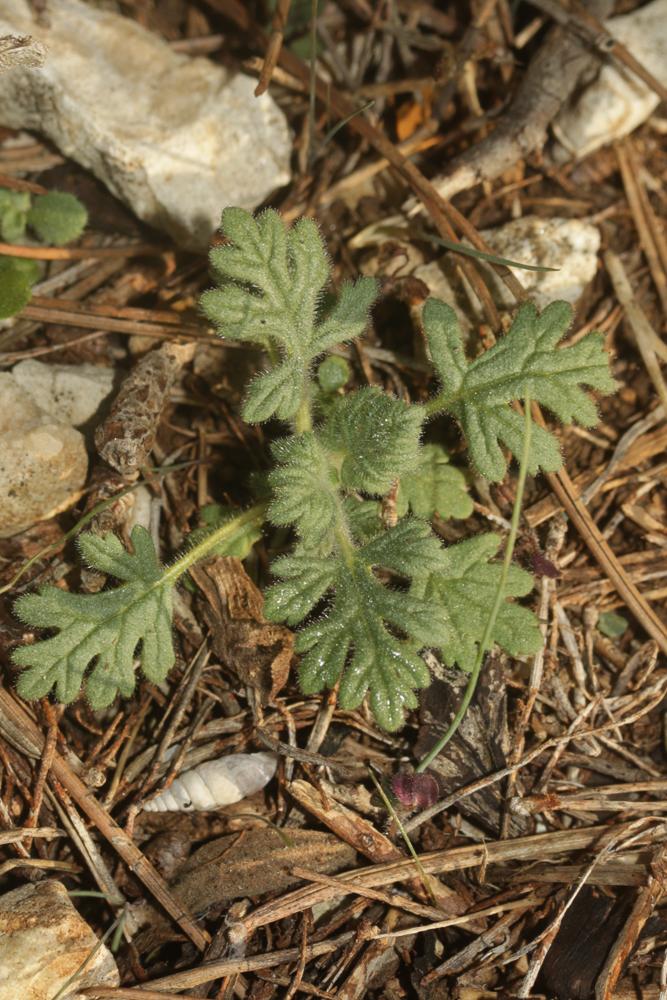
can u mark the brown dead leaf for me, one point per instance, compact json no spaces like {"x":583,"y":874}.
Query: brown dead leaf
{"x":248,"y":864}
{"x":259,"y":652}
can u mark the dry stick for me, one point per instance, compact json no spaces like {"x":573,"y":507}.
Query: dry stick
{"x":80,"y":253}
{"x":108,"y":827}
{"x":231,"y":967}
{"x":592,"y":537}
{"x":52,"y":716}
{"x":555,"y":741}
{"x":597,"y":34}
{"x":648,"y":342}
{"x":274,"y":46}
{"x":640,"y":208}
{"x":555,"y":540}
{"x":434,"y":863}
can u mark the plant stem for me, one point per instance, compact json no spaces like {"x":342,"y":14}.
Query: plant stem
{"x":406,"y":837}
{"x":253,"y":516}
{"x":303,"y":422}
{"x":499,"y":598}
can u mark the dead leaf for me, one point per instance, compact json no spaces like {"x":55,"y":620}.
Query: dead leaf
{"x":259,"y":652}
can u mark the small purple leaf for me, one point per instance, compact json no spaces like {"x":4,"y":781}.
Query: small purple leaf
{"x":415,"y":791}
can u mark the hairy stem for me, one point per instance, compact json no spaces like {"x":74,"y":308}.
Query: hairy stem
{"x":499,"y":598}
{"x":253,"y":516}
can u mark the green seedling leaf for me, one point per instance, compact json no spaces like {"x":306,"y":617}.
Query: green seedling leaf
{"x":304,"y":486}
{"x":271,"y":283}
{"x":214,"y":516}
{"x":464,"y":587}
{"x":434,"y":487}
{"x":526,"y":360}
{"x":376,"y":438}
{"x":14,"y":207}
{"x":17,"y":277}
{"x":57,"y":217}
{"x":333,"y":374}
{"x":612,"y":625}
{"x":106,"y":631}
{"x":356,"y":638}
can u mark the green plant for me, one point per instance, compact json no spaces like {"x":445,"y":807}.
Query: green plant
{"x":55,"y":217}
{"x":368,"y":593}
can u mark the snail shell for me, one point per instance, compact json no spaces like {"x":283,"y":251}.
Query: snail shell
{"x":216,"y":783}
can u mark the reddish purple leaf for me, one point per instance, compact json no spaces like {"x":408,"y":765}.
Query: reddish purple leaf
{"x":415,"y":791}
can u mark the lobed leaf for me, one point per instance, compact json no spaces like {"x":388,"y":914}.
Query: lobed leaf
{"x":479,"y":393}
{"x":14,"y":208}
{"x":272,"y":279}
{"x":106,"y":631}
{"x":375,"y":436}
{"x":370,"y":635}
{"x":17,"y":277}
{"x":434,"y":487}
{"x":304,"y":490}
{"x":464,"y":587}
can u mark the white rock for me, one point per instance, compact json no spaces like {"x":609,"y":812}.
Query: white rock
{"x":71,"y":393}
{"x":618,"y":101}
{"x":176,"y":138}
{"x":43,"y":941}
{"x":567,"y":244}
{"x":43,"y":461}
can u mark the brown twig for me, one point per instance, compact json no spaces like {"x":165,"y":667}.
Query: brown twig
{"x":128,"y":851}
{"x":274,"y":46}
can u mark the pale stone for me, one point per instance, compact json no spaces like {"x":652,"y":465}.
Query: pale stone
{"x":43,"y":461}
{"x":177,"y":138}
{"x":569,"y":245}
{"x":617,"y":101}
{"x":71,"y":393}
{"x":44,"y":941}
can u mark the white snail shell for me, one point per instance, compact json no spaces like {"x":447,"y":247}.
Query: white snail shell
{"x":216,"y":783}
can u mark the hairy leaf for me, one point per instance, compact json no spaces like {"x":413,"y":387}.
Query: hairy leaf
{"x":377,"y":438}
{"x":478,"y":393}
{"x":57,"y":217}
{"x":304,"y":490}
{"x":464,"y":586}
{"x":272,"y":279}
{"x":106,"y":630}
{"x":17,"y":277}
{"x":434,"y":487}
{"x":14,"y":207}
{"x":357,"y":639}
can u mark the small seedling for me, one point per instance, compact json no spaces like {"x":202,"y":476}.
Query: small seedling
{"x":55,"y":218}
{"x":366,"y":596}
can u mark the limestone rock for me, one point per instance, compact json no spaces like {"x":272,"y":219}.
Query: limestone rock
{"x":43,"y":461}
{"x":618,"y":101}
{"x":43,"y":941}
{"x":176,"y":138}
{"x":71,"y":393}
{"x":570,"y":245}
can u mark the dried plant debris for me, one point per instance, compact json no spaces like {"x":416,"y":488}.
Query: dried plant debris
{"x":126,"y":437}
{"x":478,"y":748}
{"x":249,"y":865}
{"x":258,"y":652}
